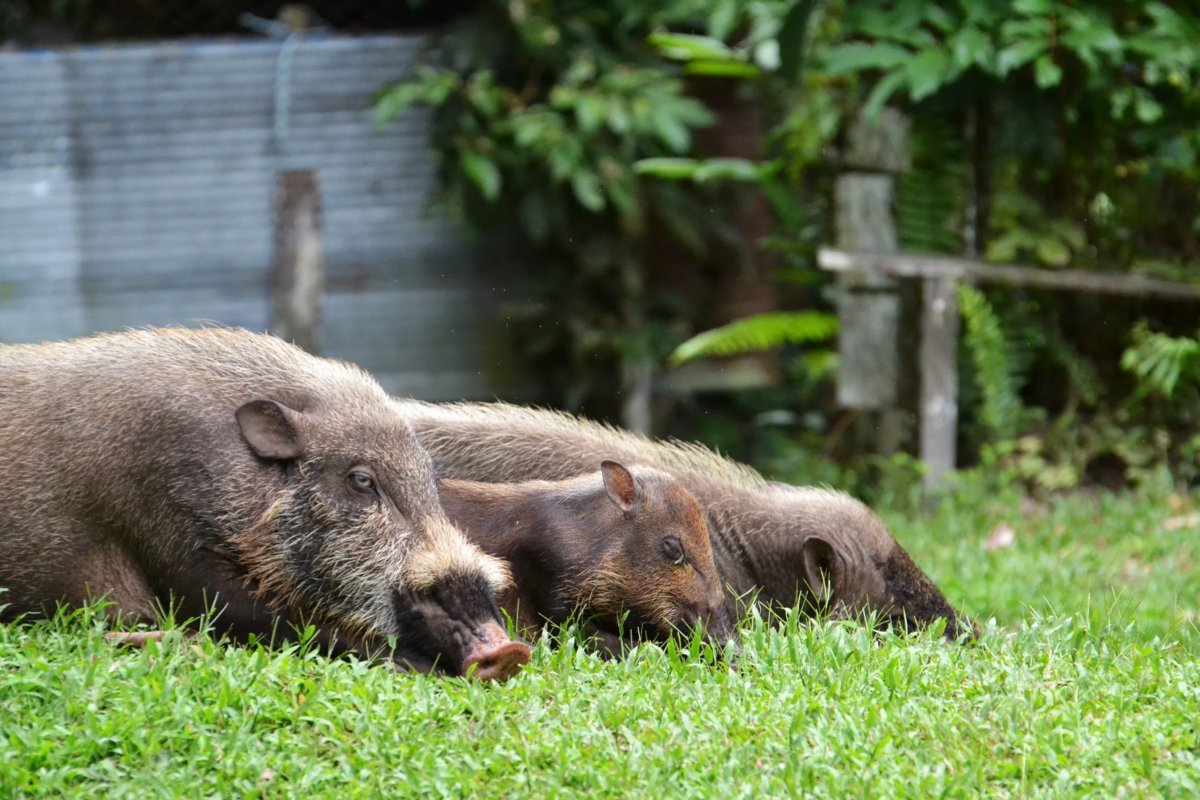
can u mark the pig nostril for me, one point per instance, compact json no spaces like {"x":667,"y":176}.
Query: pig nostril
{"x":498,"y":663}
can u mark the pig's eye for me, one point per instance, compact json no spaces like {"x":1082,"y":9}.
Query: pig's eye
{"x":674,"y":550}
{"x":361,"y":482}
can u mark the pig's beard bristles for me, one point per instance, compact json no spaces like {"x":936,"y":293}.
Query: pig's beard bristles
{"x":605,"y":589}
{"x":447,"y":554}
{"x":347,"y":586}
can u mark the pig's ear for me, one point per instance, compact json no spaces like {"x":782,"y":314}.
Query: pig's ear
{"x":269,"y":428}
{"x":619,"y":484}
{"x":820,"y":567}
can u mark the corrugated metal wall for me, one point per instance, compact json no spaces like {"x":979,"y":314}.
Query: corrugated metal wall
{"x":136,"y":188}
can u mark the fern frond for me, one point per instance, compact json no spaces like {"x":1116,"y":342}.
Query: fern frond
{"x":931,"y":194}
{"x":1001,"y":408}
{"x":758,"y":332}
{"x":1160,"y":361}
{"x":1082,"y":373}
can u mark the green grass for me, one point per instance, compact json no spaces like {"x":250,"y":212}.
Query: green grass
{"x":1086,"y":683}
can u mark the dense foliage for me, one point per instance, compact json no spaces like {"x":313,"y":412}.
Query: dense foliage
{"x":1061,"y":134}
{"x":561,"y":119}
{"x":1050,"y":132}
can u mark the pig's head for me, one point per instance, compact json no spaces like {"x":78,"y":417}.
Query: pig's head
{"x":358,"y":538}
{"x":850,"y":565}
{"x":654,"y":564}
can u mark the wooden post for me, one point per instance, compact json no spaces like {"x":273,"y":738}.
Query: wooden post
{"x":637,"y":383}
{"x":298,"y":271}
{"x":869,"y":307}
{"x":939,"y":378}
{"x":940,"y":320}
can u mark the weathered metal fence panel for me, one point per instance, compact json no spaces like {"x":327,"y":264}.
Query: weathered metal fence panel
{"x":136,"y":183}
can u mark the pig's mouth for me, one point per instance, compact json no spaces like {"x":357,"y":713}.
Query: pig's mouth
{"x":626,"y":623}
{"x":456,"y":631}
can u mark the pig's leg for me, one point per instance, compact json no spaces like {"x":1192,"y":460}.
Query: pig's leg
{"x":73,"y":563}
{"x":135,"y":638}
{"x":105,"y":570}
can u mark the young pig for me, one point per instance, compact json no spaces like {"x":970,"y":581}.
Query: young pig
{"x":626,"y":549}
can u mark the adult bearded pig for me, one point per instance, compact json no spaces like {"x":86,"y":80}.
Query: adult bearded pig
{"x":225,"y":469}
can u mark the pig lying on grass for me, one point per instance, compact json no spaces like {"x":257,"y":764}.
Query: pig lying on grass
{"x":223,"y":469}
{"x":624,"y":549}
{"x":780,"y":545}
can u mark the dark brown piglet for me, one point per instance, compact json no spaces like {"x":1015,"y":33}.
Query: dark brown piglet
{"x":222,"y":469}
{"x":624,"y":549}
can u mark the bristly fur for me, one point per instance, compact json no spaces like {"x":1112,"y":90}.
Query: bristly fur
{"x":450,"y":554}
{"x":614,"y":542}
{"x":758,"y":529}
{"x":671,"y":455}
{"x":126,"y":472}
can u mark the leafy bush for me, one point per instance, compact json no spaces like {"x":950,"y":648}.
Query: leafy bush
{"x":563,"y":118}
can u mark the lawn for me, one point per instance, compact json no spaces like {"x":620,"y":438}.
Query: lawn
{"x":1086,"y":683}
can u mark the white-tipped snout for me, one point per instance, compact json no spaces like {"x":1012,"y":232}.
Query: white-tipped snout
{"x":448,"y":553}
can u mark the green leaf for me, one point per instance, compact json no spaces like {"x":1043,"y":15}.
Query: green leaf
{"x":564,"y":96}
{"x":1040,"y":28}
{"x":1052,"y":251}
{"x":670,"y":131}
{"x":858,"y":56}
{"x":689,"y":47}
{"x":1046,"y":73}
{"x":1146,"y":108}
{"x":590,"y":112}
{"x":1018,"y":54}
{"x":700,"y":170}
{"x":691,"y":112}
{"x":995,"y":375}
{"x":722,"y":69}
{"x":723,"y":18}
{"x":394,"y":100}
{"x":1160,"y":361}
{"x":535,"y":128}
{"x":483,"y":173}
{"x":1070,"y":233}
{"x":734,"y":169}
{"x":429,"y":86}
{"x":1033,"y":7}
{"x":881,"y":92}
{"x":939,"y":19}
{"x":969,"y":46}
{"x":1006,"y":247}
{"x":483,"y":94}
{"x":620,"y":189}
{"x":756,"y":333}
{"x":671,"y":169}
{"x":1086,"y":33}
{"x":792,"y":38}
{"x":586,"y":187}
{"x":927,"y":72}
{"x":616,"y":115}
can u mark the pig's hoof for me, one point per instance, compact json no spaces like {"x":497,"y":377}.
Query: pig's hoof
{"x":132,"y":638}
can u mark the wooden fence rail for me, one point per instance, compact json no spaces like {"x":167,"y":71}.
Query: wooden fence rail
{"x":940,"y":321}
{"x":901,"y":265}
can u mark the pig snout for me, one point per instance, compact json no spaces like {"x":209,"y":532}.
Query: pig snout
{"x":719,"y":628}
{"x":495,"y":657}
